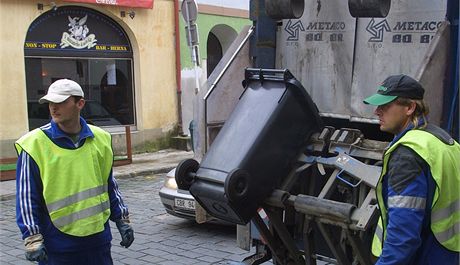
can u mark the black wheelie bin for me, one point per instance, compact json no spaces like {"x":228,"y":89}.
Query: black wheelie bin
{"x":255,"y":149}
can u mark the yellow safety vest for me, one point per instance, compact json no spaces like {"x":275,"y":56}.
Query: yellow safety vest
{"x":444,"y":162}
{"x":74,"y":180}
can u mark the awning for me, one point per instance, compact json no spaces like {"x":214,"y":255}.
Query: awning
{"x":128,"y":3}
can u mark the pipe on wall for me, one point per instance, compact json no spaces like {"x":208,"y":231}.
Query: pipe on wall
{"x":178,"y":65}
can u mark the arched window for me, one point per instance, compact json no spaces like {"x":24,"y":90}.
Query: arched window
{"x":219,"y":40}
{"x":88,"y":47}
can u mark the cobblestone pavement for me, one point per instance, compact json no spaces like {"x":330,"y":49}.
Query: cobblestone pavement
{"x":159,"y":237}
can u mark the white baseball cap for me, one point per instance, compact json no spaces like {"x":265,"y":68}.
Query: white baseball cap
{"x":61,"y":90}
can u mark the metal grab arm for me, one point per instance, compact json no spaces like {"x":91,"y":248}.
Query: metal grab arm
{"x":353,"y":167}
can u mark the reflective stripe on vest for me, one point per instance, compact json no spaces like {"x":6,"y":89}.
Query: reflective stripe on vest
{"x":444,"y":164}
{"x":88,"y":212}
{"x":74,"y":180}
{"x":83,"y":195}
{"x":377,"y":241}
{"x":440,"y":214}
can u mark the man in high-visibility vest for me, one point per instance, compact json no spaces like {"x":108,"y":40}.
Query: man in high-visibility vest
{"x":65,"y":191}
{"x":419,"y":189}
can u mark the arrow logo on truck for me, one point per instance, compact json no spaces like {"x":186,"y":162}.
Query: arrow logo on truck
{"x":377,"y":30}
{"x":294,"y":29}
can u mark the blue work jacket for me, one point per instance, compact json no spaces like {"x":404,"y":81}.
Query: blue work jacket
{"x":31,"y":213}
{"x":409,"y":239}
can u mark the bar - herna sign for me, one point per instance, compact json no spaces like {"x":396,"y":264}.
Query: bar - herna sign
{"x":76,"y":31}
{"x":127,"y":3}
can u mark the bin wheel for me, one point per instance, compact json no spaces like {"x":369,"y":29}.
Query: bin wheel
{"x":185,"y":173}
{"x":237,"y":185}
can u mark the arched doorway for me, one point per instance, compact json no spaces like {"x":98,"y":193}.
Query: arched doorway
{"x":219,"y":40}
{"x":90,"y":48}
{"x":214,"y":52}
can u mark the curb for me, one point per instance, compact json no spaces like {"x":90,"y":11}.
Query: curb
{"x":144,"y":172}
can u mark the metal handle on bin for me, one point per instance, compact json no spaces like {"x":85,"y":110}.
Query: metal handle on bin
{"x":267,"y":74}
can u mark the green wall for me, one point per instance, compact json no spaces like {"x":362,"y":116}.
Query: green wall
{"x":205,"y":23}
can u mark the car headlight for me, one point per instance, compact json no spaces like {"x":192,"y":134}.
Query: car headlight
{"x":170,"y":183}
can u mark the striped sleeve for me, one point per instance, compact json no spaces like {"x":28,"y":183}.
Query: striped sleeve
{"x":406,"y":199}
{"x":118,"y":208}
{"x":27,"y":195}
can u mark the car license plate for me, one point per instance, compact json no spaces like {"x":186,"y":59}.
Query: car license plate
{"x":184,"y":204}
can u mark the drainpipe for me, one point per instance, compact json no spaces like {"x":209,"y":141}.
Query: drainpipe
{"x":178,"y":65}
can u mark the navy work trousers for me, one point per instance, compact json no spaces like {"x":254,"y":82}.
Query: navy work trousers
{"x":98,"y":256}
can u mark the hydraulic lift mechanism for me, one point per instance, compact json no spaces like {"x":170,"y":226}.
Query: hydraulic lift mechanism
{"x":314,"y":183}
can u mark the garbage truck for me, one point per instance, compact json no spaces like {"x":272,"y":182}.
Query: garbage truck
{"x":291,"y":154}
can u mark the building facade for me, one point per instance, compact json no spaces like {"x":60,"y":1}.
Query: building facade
{"x":218,"y":22}
{"x":123,"y":56}
{"x":133,"y":67}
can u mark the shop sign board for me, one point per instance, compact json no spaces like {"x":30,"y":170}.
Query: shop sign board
{"x":76,"y":31}
{"x":127,"y":3}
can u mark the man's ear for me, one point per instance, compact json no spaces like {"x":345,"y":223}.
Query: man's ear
{"x":81,"y":103}
{"x":411,"y":108}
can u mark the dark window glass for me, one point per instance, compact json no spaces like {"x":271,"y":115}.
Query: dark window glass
{"x":107,"y":84}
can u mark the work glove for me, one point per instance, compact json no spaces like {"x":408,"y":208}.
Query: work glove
{"x":126,"y":232}
{"x":35,"y":249}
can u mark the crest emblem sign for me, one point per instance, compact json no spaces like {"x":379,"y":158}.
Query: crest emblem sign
{"x":77,"y":35}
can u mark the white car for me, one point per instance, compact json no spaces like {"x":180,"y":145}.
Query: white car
{"x":177,"y":202}
{"x":181,"y":203}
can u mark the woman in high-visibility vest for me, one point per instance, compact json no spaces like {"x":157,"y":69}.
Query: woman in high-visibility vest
{"x":419,"y":189}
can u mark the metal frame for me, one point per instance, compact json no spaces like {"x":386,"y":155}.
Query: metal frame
{"x":341,"y":160}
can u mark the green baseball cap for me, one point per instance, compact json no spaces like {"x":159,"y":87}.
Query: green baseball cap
{"x":396,"y":86}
